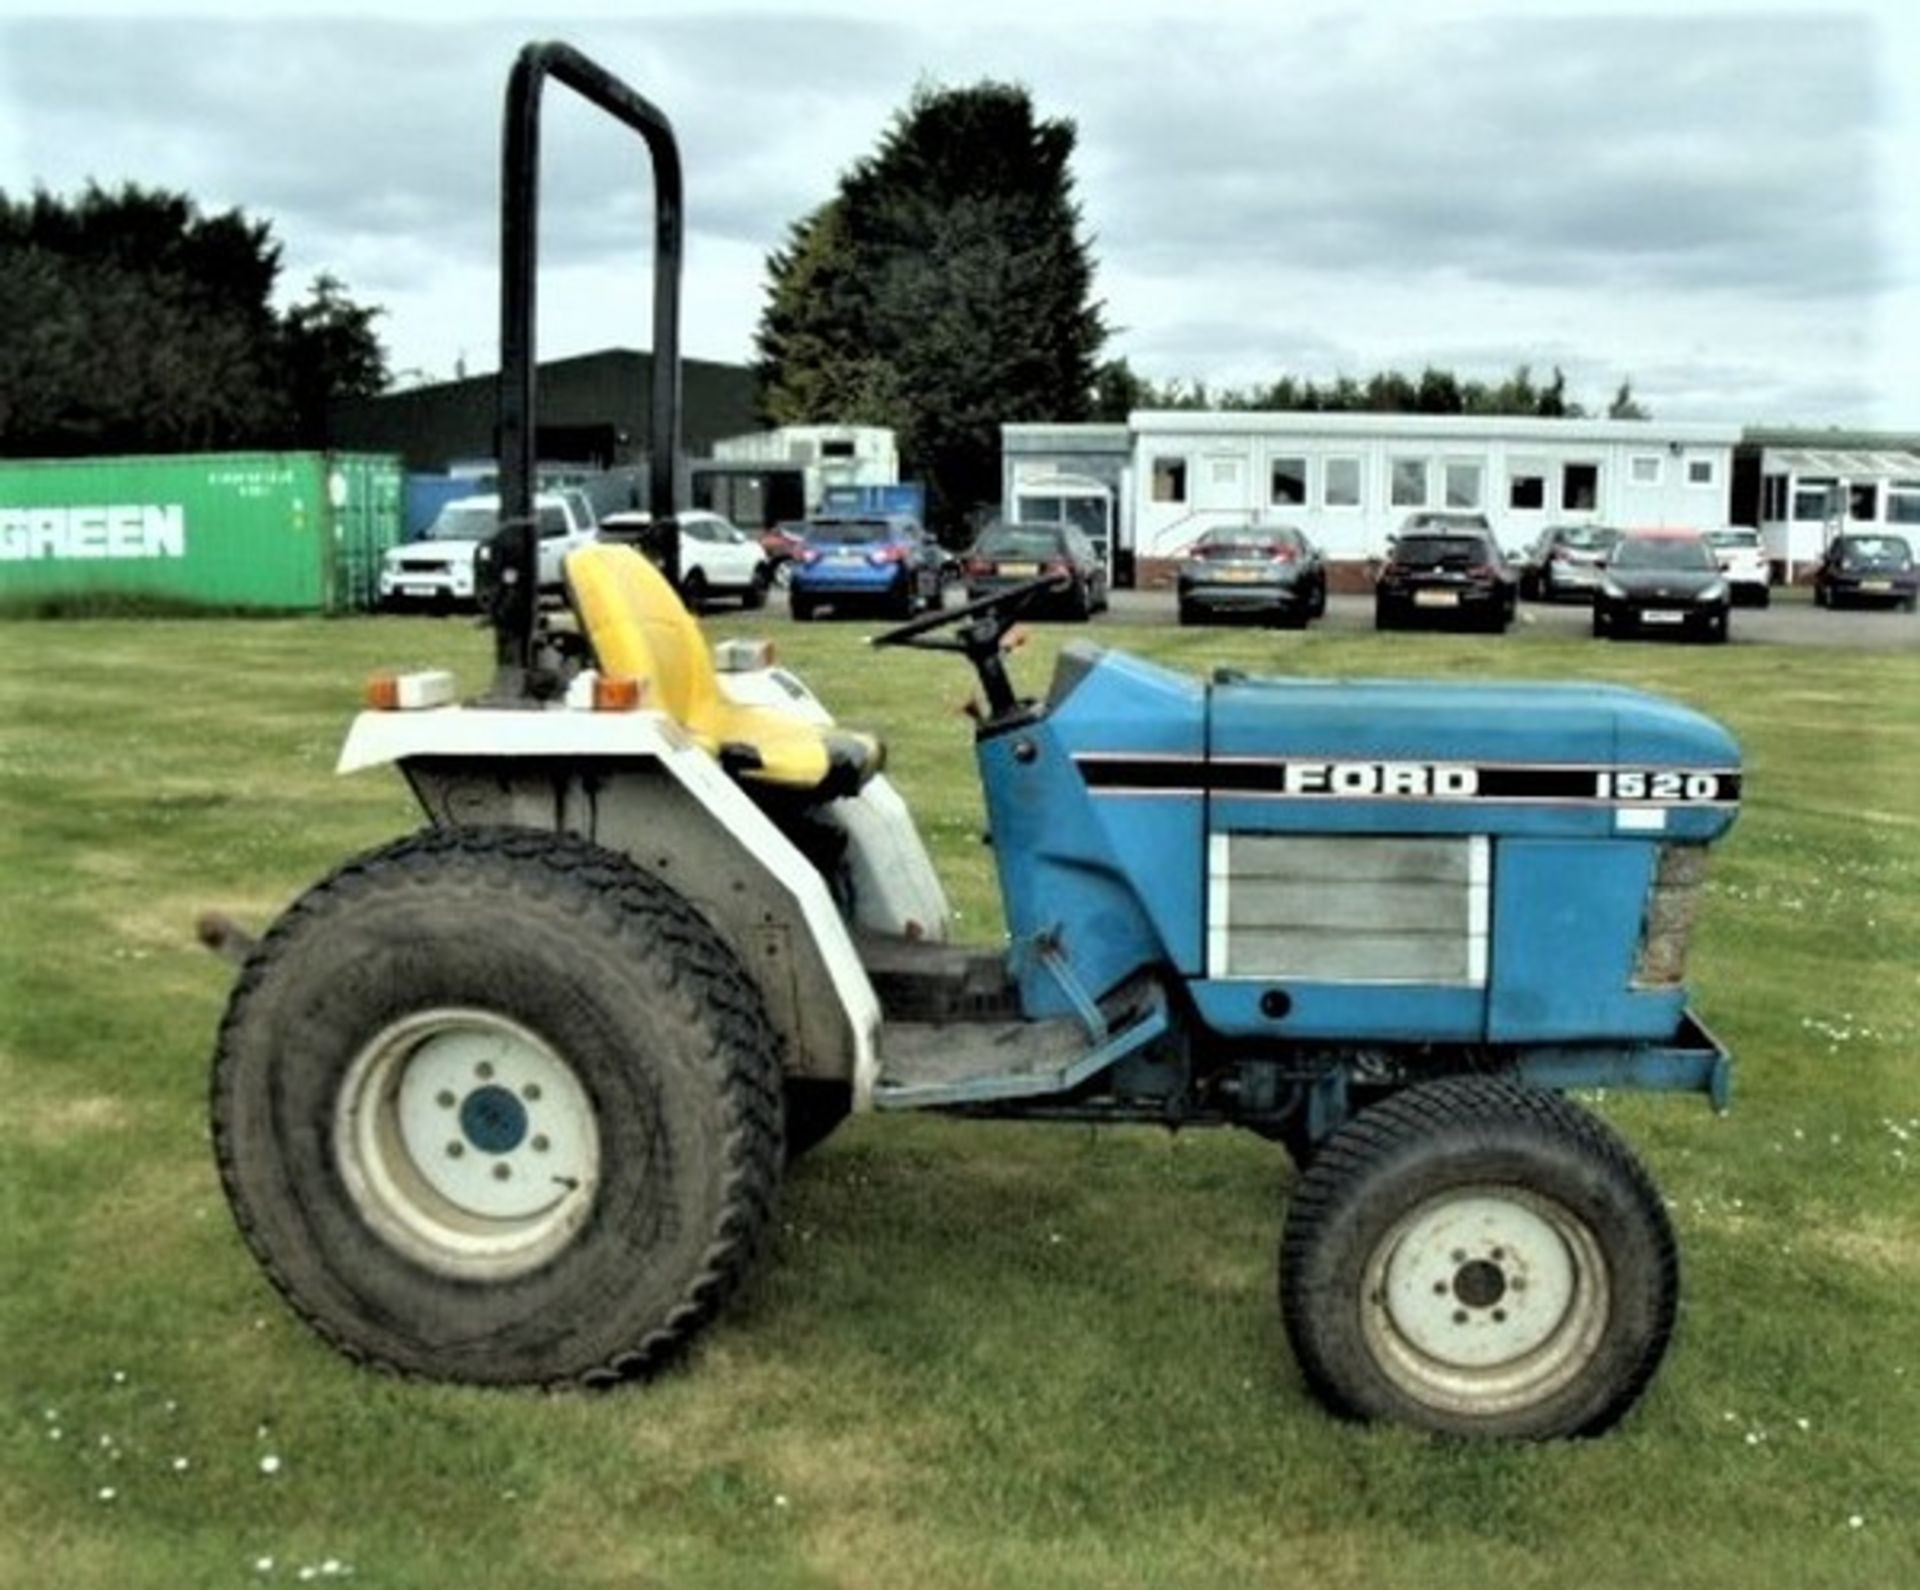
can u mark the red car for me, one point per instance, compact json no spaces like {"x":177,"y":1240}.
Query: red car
{"x":782,"y":543}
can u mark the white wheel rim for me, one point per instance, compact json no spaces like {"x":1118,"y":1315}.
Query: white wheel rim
{"x":467,"y":1143}
{"x":1484,"y":1300}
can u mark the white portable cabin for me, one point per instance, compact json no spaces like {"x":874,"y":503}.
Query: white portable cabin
{"x":1349,"y":480}
{"x":830,"y":455}
{"x":1810,"y":494}
{"x":1075,"y":474}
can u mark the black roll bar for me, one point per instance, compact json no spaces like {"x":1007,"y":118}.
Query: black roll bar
{"x":511,"y":568}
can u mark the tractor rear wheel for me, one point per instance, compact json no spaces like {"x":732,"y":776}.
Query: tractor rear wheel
{"x":1478,"y":1258}
{"x":494,"y":1105}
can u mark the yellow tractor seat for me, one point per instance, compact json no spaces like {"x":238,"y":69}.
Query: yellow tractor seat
{"x":640,"y":629}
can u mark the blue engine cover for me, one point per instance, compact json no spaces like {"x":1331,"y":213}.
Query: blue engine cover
{"x":1354,"y":860}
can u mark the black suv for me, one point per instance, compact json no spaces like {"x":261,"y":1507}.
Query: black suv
{"x":1445,"y":576}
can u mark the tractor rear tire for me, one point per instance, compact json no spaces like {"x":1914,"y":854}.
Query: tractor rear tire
{"x":1477,"y":1258}
{"x":496,"y":1106}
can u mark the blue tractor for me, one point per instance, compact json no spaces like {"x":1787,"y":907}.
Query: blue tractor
{"x":510,"y":1100}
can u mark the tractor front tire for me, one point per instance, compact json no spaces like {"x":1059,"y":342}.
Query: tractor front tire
{"x":1477,"y":1258}
{"x":496,"y":1106}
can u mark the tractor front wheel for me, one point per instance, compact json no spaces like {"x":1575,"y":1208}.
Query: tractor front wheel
{"x":1477,"y":1258}
{"x":494,"y":1105}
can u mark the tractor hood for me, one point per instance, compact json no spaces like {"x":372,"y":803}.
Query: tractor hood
{"x":1478,"y":861}
{"x":1396,"y":755}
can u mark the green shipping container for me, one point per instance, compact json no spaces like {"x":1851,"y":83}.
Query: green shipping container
{"x":287,"y":532}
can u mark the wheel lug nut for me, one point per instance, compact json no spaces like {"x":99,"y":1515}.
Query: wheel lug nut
{"x":455,"y":1150}
{"x":445,"y":1100}
{"x":1439,"y":1288}
{"x":531,"y":1093}
{"x":1518,"y":1283}
{"x":1499,"y":1254}
{"x":540,"y":1144}
{"x":1499,"y":1316}
{"x":484,"y":1070}
{"x":1459,"y":1255}
{"x":1459,"y":1316}
{"x":502,"y":1171}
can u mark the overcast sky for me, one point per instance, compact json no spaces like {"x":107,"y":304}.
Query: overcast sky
{"x":1720,"y":202}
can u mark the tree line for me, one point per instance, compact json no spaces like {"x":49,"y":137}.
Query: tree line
{"x":130,"y":322}
{"x":1118,"y":390}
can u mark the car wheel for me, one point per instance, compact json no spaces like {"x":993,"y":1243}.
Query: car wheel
{"x":800,"y":607}
{"x":1600,"y":624}
{"x":1189,"y":614}
{"x":1477,"y":1258}
{"x":1908,"y":605}
{"x":755,"y":594}
{"x":903,"y":602}
{"x":1822,"y":597}
{"x":542,"y":1153}
{"x":1765,"y":597}
{"x":693,"y":590}
{"x":1384,"y":616}
{"x":1080,"y":602}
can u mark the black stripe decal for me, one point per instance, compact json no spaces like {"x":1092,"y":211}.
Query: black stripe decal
{"x":1409,"y":779}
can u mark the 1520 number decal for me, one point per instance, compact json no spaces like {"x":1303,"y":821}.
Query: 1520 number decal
{"x":1663,"y":784}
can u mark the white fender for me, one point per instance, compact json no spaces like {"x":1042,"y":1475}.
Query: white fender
{"x":470,"y":733}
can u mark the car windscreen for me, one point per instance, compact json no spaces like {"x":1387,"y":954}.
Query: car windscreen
{"x":1020,"y":541}
{"x":846,"y":532}
{"x":1663,"y":552}
{"x":1435,"y":552}
{"x":1875,"y":552}
{"x":1733,"y":538}
{"x":455,"y":523}
{"x":1589,"y":537}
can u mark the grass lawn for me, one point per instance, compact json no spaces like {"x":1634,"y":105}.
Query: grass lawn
{"x":981,"y":1354}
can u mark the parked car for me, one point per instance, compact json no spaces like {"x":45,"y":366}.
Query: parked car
{"x":1867,"y":569}
{"x":1012,"y":554}
{"x":1445,"y":575}
{"x":1743,"y":560}
{"x":1662,"y":580}
{"x":782,"y":543}
{"x":440,"y":569}
{"x":717,"y":558}
{"x":1564,"y":562}
{"x":865,"y":560}
{"x":1270,"y":571}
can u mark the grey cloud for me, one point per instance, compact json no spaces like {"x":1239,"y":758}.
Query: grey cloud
{"x":1679,"y":151}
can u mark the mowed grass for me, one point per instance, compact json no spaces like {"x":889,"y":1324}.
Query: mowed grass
{"x":979,"y":1354}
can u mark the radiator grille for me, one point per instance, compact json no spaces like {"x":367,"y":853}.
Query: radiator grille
{"x":1319,"y":908}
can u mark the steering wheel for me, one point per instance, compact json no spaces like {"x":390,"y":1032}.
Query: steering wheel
{"x":983,"y":625}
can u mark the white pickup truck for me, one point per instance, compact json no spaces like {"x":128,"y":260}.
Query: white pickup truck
{"x":438,"y":570}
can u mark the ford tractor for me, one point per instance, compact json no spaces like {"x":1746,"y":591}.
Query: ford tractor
{"x":510,"y":1100}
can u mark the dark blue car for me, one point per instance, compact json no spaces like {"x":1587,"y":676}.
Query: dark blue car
{"x":876,"y":561}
